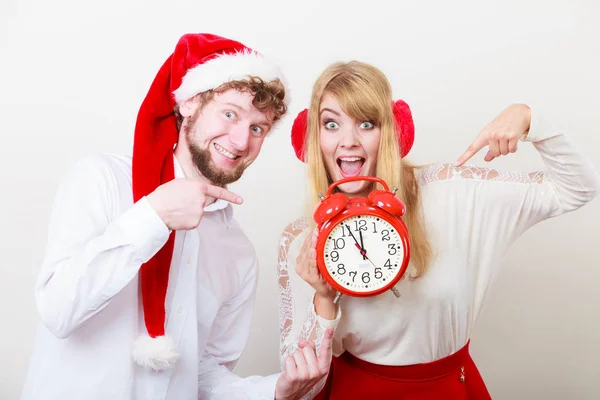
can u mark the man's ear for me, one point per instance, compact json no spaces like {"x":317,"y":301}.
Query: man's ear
{"x":188,"y":107}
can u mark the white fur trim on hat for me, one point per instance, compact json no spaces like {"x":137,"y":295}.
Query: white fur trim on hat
{"x":225,"y":68}
{"x":158,"y":353}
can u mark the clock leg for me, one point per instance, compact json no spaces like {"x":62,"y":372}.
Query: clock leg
{"x":396,"y":291}
{"x":337,"y":298}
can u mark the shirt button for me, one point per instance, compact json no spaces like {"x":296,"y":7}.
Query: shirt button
{"x":189,"y":260}
{"x":179,"y":309}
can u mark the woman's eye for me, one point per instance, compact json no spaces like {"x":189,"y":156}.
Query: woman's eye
{"x":367,"y":125}
{"x":331,"y":125}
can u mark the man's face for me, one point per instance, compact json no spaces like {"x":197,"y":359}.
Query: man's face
{"x":225,"y":136}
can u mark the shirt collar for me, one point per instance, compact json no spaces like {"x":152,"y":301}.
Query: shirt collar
{"x":219,"y":204}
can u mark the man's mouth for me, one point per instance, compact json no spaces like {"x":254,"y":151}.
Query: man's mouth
{"x":226,"y":153}
{"x":350,"y":166}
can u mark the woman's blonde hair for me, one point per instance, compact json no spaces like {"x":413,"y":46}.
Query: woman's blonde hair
{"x":365,"y":94}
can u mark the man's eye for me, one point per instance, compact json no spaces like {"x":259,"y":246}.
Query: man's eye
{"x":257,"y":130}
{"x":230,"y":115}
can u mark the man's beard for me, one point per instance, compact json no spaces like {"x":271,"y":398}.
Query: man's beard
{"x":202,"y":159}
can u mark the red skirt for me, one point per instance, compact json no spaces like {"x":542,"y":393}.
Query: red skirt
{"x":451,"y":378}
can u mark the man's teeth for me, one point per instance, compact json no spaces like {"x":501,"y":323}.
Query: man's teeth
{"x":225,"y":152}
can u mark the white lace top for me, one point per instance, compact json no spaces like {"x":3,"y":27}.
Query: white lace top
{"x":472,"y":216}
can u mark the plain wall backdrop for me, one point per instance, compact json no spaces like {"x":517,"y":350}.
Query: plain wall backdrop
{"x":73,"y":74}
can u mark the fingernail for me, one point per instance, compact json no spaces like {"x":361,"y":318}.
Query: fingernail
{"x":239,"y":200}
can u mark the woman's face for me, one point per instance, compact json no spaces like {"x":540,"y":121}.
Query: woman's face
{"x":349,"y":146}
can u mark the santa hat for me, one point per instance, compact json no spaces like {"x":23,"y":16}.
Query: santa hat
{"x":405,"y":128}
{"x":200,"y":62}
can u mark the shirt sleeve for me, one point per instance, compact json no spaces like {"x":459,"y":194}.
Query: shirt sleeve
{"x":569,"y":179}
{"x":92,"y":252}
{"x":227,"y":340}
{"x":298,"y":320}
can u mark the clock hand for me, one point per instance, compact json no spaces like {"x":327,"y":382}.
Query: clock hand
{"x":358,"y":246}
{"x":364,"y":251}
{"x":368,"y":259}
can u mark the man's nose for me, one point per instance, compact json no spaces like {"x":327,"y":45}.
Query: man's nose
{"x":239,"y":137}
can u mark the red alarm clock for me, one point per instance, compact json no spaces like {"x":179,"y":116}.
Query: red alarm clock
{"x":363,"y":246}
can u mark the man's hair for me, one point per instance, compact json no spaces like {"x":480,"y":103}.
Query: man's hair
{"x":268,"y":96}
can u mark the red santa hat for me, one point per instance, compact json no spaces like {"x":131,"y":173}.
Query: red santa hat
{"x":405,"y":127}
{"x":199,"y":62}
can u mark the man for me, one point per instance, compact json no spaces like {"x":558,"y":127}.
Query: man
{"x":149,"y":245}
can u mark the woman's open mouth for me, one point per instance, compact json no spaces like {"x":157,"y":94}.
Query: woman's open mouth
{"x":350,"y":166}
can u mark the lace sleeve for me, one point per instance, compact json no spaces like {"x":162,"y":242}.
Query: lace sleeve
{"x":445,"y":172}
{"x":298,"y":320}
{"x":286,"y":306}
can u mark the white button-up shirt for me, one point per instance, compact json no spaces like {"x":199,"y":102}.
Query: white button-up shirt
{"x":88,"y":296}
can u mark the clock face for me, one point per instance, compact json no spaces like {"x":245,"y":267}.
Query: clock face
{"x":363,"y":253}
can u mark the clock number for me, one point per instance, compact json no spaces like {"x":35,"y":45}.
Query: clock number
{"x":388,"y":264}
{"x":386,"y":234}
{"x":374,"y":227}
{"x":366,"y":278}
{"x":339,"y":243}
{"x":344,"y":227}
{"x":360,"y":225}
{"x":353,"y":275}
{"x":392,"y":247}
{"x":335,"y":256}
{"x":341,"y":269}
{"x":378,"y":273}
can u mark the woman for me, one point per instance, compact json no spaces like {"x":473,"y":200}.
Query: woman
{"x":461,"y":221}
